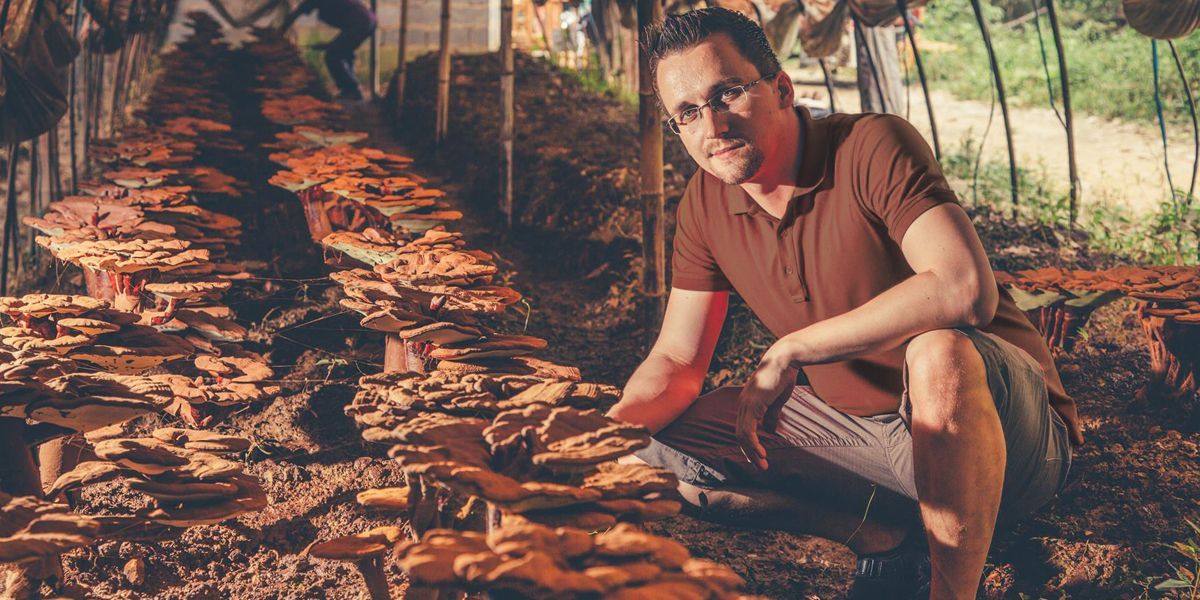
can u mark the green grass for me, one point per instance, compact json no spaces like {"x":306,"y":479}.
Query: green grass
{"x":1164,"y":236}
{"x":1109,"y":64}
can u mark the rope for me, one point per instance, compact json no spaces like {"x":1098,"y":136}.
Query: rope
{"x":1162,"y":126}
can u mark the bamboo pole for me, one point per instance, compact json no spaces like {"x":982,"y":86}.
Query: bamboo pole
{"x":507,"y":118}
{"x":72,"y":105}
{"x":650,"y":176}
{"x":999,"y":81}
{"x":402,"y":60}
{"x":443,"y":90}
{"x":1072,"y":167}
{"x":902,"y":6}
{"x":373,"y":55}
{"x":10,"y":216}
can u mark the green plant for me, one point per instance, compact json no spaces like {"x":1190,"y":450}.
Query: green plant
{"x":1109,"y":64}
{"x":1168,"y":235}
{"x":1186,"y":577}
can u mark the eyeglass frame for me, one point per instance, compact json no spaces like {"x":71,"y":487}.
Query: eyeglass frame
{"x":677,"y":128}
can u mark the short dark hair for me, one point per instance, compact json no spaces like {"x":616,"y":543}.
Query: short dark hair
{"x":677,"y":33}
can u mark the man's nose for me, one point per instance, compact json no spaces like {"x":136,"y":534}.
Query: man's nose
{"x":712,"y":123}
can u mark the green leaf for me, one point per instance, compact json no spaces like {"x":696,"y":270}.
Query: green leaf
{"x":1093,"y":300}
{"x":1028,"y":301}
{"x":1173,"y":584}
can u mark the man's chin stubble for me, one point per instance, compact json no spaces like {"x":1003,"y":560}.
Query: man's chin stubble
{"x":739,"y":174}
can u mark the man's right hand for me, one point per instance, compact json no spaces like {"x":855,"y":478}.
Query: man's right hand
{"x":671,"y":376}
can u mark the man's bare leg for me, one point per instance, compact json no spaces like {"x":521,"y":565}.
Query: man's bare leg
{"x":958,"y":457}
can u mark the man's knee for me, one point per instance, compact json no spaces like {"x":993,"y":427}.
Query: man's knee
{"x":944,"y":369}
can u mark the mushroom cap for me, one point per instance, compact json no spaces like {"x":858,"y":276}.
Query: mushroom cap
{"x":85,"y":473}
{"x":441,"y":332}
{"x":626,"y":541}
{"x":133,"y":349}
{"x":132,"y":256}
{"x":250,"y":497}
{"x":187,"y":290}
{"x":22,"y":339}
{"x":369,"y":247}
{"x":522,"y":535}
{"x":393,"y":498}
{"x":44,"y":305}
{"x":146,"y":455}
{"x":630,"y":480}
{"x":493,"y":346}
{"x":187,"y":492}
{"x":512,"y":495}
{"x":86,"y":326}
{"x":375,"y":542}
{"x":33,"y":366}
{"x":207,"y":441}
{"x":213,"y":328}
{"x":533,"y":570}
{"x":431,"y":561}
{"x":246,"y":368}
{"x":32,"y":529}
{"x":565,"y":438}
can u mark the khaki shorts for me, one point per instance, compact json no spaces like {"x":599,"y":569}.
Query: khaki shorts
{"x":854,"y":462}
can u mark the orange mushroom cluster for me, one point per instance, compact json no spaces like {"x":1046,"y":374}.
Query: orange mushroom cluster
{"x":470,"y":416}
{"x":534,"y":561}
{"x":1059,"y":301}
{"x":182,"y":471}
{"x":1167,"y":302}
{"x":154,"y":253}
{"x":1168,"y":307}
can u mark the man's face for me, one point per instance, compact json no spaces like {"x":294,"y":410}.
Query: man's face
{"x":732,"y":145}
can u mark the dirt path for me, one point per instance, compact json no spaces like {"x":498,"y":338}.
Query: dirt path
{"x":1119,"y":162}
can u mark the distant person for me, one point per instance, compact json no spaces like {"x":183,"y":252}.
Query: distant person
{"x":355,"y":23}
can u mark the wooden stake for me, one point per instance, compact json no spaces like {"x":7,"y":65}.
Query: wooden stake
{"x":650,"y":177}
{"x":402,"y":60}
{"x":507,"y":117}
{"x":373,"y":56}
{"x":443,"y":90}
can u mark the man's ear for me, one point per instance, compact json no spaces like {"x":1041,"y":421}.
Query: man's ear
{"x":787,"y":91}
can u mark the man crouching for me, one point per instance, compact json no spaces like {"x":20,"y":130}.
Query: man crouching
{"x":908,"y":405}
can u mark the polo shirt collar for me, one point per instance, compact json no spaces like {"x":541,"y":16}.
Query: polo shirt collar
{"x":815,"y":136}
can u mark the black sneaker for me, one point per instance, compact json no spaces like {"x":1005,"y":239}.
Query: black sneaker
{"x":899,"y":574}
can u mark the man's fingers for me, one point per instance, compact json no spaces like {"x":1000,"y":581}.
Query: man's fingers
{"x":747,"y":434}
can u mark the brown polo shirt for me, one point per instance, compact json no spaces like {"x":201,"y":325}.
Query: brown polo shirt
{"x":863,"y":180}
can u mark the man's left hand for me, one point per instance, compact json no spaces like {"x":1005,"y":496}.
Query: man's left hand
{"x":761,"y":399}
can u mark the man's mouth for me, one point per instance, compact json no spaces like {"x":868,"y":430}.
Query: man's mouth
{"x":726,"y":149}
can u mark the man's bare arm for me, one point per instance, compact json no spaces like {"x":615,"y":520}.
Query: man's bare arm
{"x":671,"y":376}
{"x":953,"y":286}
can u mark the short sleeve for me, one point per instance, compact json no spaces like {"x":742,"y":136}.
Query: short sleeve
{"x":692,"y":264}
{"x":897,"y":177}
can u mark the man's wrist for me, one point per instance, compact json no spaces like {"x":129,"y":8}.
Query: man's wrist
{"x":788,"y":352}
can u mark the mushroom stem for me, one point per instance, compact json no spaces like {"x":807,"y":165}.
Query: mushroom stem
{"x":18,"y":473}
{"x":395,"y":355}
{"x":372,"y":572}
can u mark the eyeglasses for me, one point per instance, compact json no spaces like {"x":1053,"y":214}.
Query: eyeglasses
{"x":721,"y":102}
